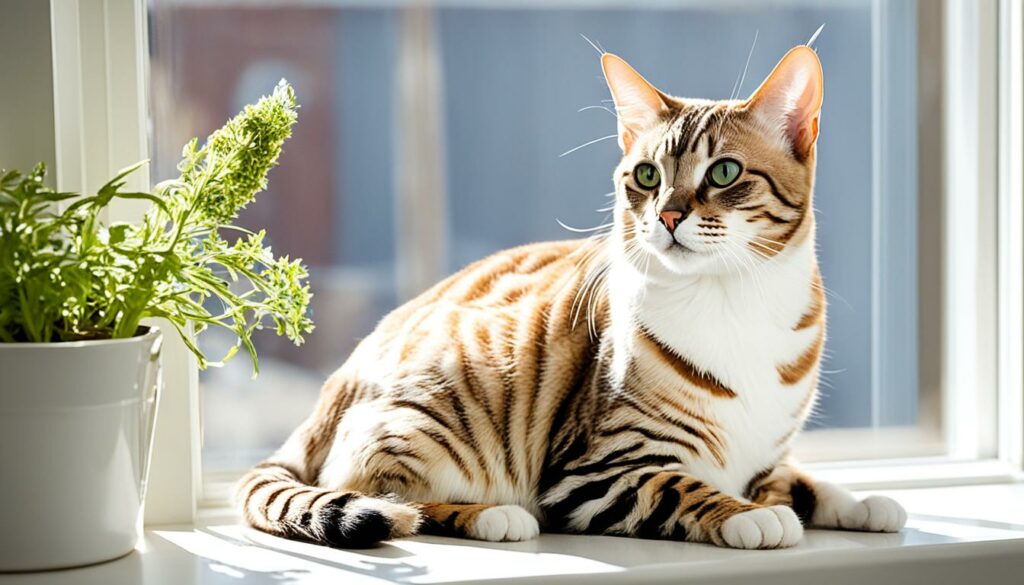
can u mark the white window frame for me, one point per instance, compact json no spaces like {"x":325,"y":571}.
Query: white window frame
{"x":1011,"y":235}
{"x":101,"y":114}
{"x":100,"y":64}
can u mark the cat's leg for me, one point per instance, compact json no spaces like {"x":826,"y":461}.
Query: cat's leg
{"x":275,"y":499}
{"x":652,"y":503}
{"x":479,"y":521}
{"x":826,"y":505}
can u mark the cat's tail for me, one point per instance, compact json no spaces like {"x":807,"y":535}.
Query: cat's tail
{"x":274,"y":498}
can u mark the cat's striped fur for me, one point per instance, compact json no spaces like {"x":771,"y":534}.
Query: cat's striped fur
{"x":647,"y":382}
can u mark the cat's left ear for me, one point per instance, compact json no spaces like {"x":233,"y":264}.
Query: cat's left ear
{"x":790,"y":99}
{"x":638,"y":104}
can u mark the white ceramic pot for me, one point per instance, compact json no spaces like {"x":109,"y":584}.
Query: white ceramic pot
{"x":76,"y":425}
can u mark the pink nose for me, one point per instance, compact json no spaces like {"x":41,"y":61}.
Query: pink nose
{"x":670,"y":219}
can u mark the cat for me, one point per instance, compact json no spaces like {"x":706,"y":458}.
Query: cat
{"x":647,"y":382}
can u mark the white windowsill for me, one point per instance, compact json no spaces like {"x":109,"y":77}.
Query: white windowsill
{"x":954,"y":534}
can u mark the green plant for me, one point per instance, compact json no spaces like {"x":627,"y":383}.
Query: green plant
{"x":65,"y":275}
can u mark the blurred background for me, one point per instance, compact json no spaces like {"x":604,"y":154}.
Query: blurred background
{"x":430,"y":135}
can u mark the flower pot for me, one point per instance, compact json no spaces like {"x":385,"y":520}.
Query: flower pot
{"x":76,"y":425}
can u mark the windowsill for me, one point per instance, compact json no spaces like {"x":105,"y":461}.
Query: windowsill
{"x":954,"y":534}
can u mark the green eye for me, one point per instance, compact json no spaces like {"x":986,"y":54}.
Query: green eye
{"x":724,"y":172}
{"x":647,"y":175}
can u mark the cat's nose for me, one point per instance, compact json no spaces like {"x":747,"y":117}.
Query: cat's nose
{"x":671,"y":218}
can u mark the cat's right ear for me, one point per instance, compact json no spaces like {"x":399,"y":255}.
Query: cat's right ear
{"x":638,"y":104}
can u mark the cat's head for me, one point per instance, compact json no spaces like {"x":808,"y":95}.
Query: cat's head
{"x":714,"y":186}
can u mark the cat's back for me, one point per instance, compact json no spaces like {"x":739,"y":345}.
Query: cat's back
{"x":514,"y":298}
{"x":504,"y":277}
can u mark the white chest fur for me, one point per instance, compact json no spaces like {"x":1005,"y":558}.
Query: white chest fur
{"x":739,"y":328}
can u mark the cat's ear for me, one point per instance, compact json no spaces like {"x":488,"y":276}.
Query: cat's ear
{"x":790,"y":99}
{"x":638,"y":104}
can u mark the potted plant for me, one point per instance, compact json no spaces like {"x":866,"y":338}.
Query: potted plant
{"x":79,"y":366}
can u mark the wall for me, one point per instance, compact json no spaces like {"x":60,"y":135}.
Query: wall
{"x":26,"y":122}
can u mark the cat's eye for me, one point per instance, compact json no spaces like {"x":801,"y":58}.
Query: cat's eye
{"x":647,"y":175}
{"x":724,"y":172}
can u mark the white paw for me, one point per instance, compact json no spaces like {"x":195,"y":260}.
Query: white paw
{"x":771,"y":527}
{"x":874,"y":514}
{"x":505,"y":523}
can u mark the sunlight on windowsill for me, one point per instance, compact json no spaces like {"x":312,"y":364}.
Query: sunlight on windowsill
{"x":960,"y":526}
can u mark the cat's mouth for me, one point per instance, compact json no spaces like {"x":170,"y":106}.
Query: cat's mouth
{"x":675,"y":246}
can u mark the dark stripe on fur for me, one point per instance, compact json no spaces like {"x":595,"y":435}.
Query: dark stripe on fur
{"x":773,"y":218}
{"x":693,"y":507}
{"x":708,"y":120}
{"x":449,"y":522}
{"x":707,"y":507}
{"x":804,"y":500}
{"x":557,"y":514}
{"x":286,"y":508}
{"x":607,"y":460}
{"x":635,"y":463}
{"x":621,"y":508}
{"x":257,"y":487}
{"x":663,"y":416}
{"x":750,"y":491}
{"x":685,"y":368}
{"x":440,"y":439}
{"x":774,"y":188}
{"x":653,"y":525}
{"x":652,"y":435}
{"x":736,"y":194}
{"x":273,"y":497}
{"x":636,"y":199}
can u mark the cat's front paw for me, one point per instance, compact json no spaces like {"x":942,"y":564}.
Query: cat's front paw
{"x":769,"y":527}
{"x":838,"y":508}
{"x":874,"y":514}
{"x":504,"y":524}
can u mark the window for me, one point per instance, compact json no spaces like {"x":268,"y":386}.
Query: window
{"x":431,"y":136}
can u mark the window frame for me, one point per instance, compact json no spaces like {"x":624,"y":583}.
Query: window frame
{"x":101,"y":107}
{"x":101,"y":119}
{"x":1011,"y":235}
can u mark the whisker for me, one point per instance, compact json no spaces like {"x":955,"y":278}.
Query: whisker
{"x":599,"y":285}
{"x":739,"y":84}
{"x":814,"y":37}
{"x":603,"y":226}
{"x":605,"y":108}
{"x":586,"y":144}
{"x":599,"y":50}
{"x":594,"y":299}
{"x":769,"y":240}
{"x":589,"y":282}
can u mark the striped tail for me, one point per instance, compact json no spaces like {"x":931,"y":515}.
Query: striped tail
{"x":274,"y":499}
